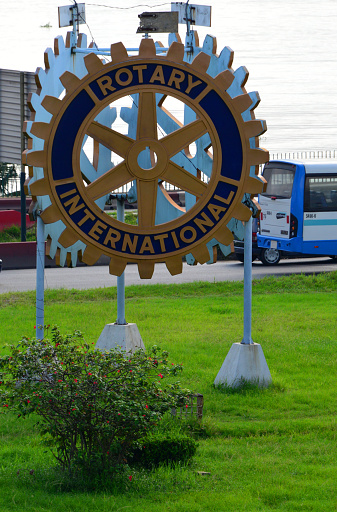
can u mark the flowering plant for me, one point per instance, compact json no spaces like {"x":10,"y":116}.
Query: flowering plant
{"x":93,"y":405}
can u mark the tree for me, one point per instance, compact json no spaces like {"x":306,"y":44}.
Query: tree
{"x":7,"y":172}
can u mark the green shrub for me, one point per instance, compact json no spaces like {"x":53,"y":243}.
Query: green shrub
{"x":93,"y":406}
{"x":13,"y":234}
{"x":163,"y":448}
{"x":130,"y":216}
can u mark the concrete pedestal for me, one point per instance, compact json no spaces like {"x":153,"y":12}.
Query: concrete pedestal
{"x":244,"y":363}
{"x":127,"y":337}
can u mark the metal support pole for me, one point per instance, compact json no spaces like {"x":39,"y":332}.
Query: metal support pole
{"x":40,"y":256}
{"x":23,"y":204}
{"x":22,"y":174}
{"x":189,"y":37}
{"x":120,"y":279}
{"x":247,"y":313}
{"x":74,"y":34}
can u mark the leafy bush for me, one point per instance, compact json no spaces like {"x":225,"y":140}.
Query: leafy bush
{"x":13,"y":234}
{"x":130,"y":216}
{"x":159,"y":447}
{"x":93,"y":406}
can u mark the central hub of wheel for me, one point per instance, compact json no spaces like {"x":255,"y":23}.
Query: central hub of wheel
{"x":156,"y":169}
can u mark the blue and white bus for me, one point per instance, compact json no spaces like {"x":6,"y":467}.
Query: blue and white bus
{"x":298,"y":210}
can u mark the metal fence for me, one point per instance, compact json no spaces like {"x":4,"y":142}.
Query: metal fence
{"x":11,"y":189}
{"x":326,"y":154}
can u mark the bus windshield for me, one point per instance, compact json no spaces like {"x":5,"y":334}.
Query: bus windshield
{"x":279,"y":182}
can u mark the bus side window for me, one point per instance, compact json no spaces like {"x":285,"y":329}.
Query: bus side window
{"x":320,"y":193}
{"x":317,"y":201}
{"x":333,"y":195}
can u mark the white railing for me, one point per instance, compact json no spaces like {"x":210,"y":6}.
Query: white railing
{"x":305,"y":155}
{"x":13,"y":186}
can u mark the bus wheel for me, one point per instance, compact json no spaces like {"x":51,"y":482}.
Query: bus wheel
{"x":270,"y":256}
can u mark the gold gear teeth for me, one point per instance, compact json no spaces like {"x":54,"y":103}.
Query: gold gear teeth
{"x":258,"y":156}
{"x":40,"y":187}
{"x":147,"y":49}
{"x":117,"y":265}
{"x":69,"y":81}
{"x":174,"y":265}
{"x":51,"y":104}
{"x":201,"y":62}
{"x":67,"y":238}
{"x":241,"y":212}
{"x":255,"y":128}
{"x":242,"y":102}
{"x":224,"y":79}
{"x":36,"y":159}
{"x":255,"y":185}
{"x":41,"y":130}
{"x":145,"y":269}
{"x":50,"y":214}
{"x":93,"y":63}
{"x":171,"y":144}
{"x":176,"y":52}
{"x":224,"y":236}
{"x":118,"y":53}
{"x":90,"y":256}
{"x":201,"y":254}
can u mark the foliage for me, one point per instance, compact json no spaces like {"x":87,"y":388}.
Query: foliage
{"x":130,"y":216}
{"x":13,"y":234}
{"x":7,"y":172}
{"x":93,"y":406}
{"x":163,"y":448}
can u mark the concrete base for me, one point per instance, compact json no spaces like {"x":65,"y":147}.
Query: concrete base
{"x":244,"y":363}
{"x":126,"y":337}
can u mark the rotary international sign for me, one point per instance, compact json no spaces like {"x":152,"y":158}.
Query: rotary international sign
{"x":76,"y":200}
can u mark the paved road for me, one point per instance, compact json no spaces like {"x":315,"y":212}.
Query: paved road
{"x":99,"y":277}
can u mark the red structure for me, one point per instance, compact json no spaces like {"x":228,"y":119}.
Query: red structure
{"x":10,"y":218}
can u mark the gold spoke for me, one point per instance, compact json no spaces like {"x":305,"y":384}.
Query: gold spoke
{"x":111,"y":139}
{"x":147,"y":116}
{"x":184,"y":180}
{"x":181,"y":138}
{"x":147,"y":201}
{"x":112,"y":179}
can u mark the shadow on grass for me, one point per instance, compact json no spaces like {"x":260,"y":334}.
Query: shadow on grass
{"x":245,"y":387}
{"x":119,"y":480}
{"x":124,"y":480}
{"x":53,"y":480}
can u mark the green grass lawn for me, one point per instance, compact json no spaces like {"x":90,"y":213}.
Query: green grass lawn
{"x":265,"y":450}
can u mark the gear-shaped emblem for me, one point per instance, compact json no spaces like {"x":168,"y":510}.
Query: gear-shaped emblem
{"x":75,"y":117}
